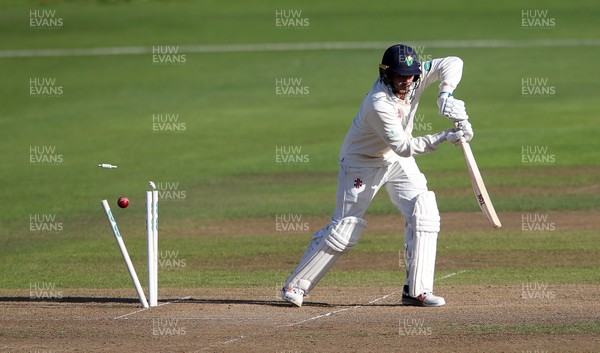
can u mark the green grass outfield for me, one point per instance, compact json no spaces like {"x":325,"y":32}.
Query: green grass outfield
{"x":224,"y":167}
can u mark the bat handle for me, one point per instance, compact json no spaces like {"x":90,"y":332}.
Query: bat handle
{"x":462,"y":139}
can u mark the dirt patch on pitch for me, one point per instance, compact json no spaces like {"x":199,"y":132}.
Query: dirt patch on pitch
{"x":476,"y":318}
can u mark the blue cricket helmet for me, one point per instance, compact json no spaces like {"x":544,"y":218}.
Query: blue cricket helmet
{"x":400,"y":59}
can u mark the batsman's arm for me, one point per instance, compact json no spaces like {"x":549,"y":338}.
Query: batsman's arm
{"x":447,"y":70}
{"x":387,"y":126}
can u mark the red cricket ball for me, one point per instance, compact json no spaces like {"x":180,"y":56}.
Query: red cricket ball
{"x":123,"y":202}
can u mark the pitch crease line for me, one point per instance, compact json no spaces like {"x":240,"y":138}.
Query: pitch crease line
{"x":452,"y":275}
{"x":241,"y":338}
{"x":338,"y":311}
{"x":124,"y":316}
{"x":143,"y":309}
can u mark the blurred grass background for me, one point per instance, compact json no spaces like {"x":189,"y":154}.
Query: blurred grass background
{"x":224,"y":161}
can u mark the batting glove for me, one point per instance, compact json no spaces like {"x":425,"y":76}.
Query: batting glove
{"x":463,"y":130}
{"x":451,"y":108}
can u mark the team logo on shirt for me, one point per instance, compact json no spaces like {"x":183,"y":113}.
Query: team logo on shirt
{"x":427,"y":66}
{"x":391,"y":135}
{"x":358,"y":183}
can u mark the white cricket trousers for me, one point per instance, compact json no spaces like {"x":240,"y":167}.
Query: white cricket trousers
{"x":357,"y":186}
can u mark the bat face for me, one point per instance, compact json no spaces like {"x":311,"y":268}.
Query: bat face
{"x":480,"y":199}
{"x":481,"y":194}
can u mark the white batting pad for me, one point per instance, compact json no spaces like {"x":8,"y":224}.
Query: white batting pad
{"x":420,"y":244}
{"x":326,"y":246}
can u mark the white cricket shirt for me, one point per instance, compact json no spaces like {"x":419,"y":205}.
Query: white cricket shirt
{"x":382,"y":130}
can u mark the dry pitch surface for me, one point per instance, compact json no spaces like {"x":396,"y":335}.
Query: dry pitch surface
{"x":361,"y":320}
{"x":555,"y":318}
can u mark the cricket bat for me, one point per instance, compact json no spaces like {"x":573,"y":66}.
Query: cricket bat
{"x":481,"y":194}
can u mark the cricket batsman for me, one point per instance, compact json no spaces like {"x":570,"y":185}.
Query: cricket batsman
{"x":379,"y":151}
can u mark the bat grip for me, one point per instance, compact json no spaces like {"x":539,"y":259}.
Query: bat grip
{"x":462,"y":139}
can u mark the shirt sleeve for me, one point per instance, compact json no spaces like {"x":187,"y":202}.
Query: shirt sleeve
{"x":386,"y":123}
{"x":447,"y":70}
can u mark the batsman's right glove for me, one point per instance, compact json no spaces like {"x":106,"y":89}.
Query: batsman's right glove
{"x":463,"y":130}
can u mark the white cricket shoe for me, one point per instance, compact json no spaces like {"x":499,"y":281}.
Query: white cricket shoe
{"x":293,"y":295}
{"x":423,"y":299}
